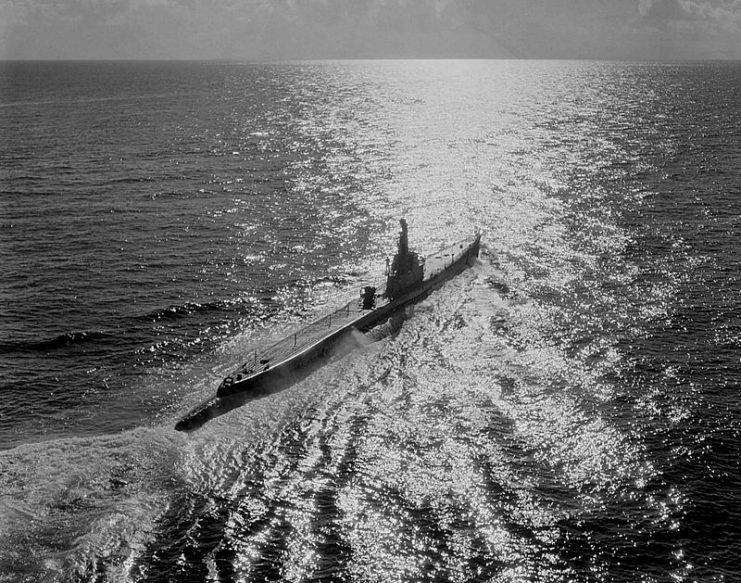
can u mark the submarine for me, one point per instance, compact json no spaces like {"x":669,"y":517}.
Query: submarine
{"x":409,"y":279}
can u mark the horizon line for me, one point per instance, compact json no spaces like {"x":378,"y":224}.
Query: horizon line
{"x":360,"y":59}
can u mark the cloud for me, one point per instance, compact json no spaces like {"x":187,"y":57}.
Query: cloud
{"x":661,"y":11}
{"x":725,"y":15}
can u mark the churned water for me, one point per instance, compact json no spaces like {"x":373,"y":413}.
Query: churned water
{"x":566,"y":410}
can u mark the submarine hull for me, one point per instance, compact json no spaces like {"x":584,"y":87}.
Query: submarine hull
{"x":298,"y":363}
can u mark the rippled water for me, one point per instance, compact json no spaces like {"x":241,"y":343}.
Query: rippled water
{"x":566,"y":410}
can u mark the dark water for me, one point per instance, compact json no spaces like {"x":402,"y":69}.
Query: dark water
{"x":567,"y":410}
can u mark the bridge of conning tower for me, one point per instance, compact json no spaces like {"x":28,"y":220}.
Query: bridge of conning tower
{"x":406,"y":270}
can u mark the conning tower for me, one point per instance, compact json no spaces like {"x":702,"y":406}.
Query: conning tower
{"x":406,"y":270}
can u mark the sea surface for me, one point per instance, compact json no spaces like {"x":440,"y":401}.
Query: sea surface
{"x":569,"y":409}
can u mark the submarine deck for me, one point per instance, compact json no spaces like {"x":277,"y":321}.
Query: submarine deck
{"x":342,"y":317}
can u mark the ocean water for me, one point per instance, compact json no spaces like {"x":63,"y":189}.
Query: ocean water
{"x":567,"y":410}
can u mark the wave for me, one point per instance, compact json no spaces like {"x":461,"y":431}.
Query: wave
{"x":255,"y":303}
{"x":189,"y":308}
{"x":77,"y":337}
{"x":129,"y":180}
{"x":111,"y":487}
{"x":60,"y":341}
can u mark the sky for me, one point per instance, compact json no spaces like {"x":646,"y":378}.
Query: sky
{"x":347,"y":29}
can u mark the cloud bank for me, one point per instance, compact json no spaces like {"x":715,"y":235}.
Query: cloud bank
{"x":302,"y":29}
{"x":722,"y":16}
